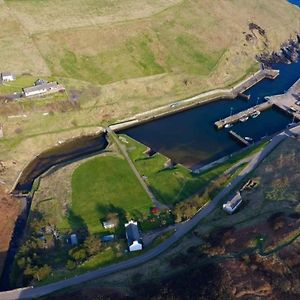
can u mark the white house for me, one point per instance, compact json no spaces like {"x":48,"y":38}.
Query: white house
{"x":133,"y":236}
{"x":43,"y":88}
{"x":233,"y":204}
{"x":7,"y":76}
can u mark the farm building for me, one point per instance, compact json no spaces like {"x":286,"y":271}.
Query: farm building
{"x":133,"y":236}
{"x":233,"y":204}
{"x":7,"y":76}
{"x":43,"y":88}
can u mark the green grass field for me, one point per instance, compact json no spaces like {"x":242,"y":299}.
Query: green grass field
{"x":104,"y":185}
{"x":174,"y":185}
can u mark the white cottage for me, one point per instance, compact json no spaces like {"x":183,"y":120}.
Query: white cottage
{"x":133,"y":237}
{"x":42,"y":88}
{"x":7,"y":76}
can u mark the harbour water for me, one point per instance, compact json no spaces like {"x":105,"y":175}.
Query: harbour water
{"x":190,"y":137}
{"x":296,"y":2}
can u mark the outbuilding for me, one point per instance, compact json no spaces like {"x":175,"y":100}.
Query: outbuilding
{"x":73,"y":239}
{"x":231,"y":205}
{"x":7,"y":76}
{"x":134,"y":239}
{"x":109,"y":224}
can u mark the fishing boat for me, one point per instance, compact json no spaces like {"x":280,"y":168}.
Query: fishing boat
{"x":228,"y":125}
{"x":249,"y":139}
{"x":255,"y":114}
{"x":244,"y":118}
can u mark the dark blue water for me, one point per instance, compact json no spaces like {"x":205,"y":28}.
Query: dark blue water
{"x":296,"y":2}
{"x":190,"y":137}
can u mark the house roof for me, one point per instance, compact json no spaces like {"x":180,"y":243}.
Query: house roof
{"x":3,"y":74}
{"x":108,"y":238}
{"x":40,"y":87}
{"x":234,"y":202}
{"x":40,"y":81}
{"x":132,"y":232}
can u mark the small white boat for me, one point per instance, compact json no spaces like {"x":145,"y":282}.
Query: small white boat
{"x":228,"y":125}
{"x":255,"y":114}
{"x":249,"y":139}
{"x":244,"y":118}
{"x":290,"y":125}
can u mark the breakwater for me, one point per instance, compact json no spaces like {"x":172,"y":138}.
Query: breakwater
{"x":200,"y":99}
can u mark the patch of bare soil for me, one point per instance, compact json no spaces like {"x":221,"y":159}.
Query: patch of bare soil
{"x":9,"y":211}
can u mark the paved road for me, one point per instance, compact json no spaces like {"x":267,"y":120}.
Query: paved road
{"x":182,"y":229}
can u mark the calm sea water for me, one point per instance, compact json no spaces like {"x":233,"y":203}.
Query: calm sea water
{"x":296,"y":2}
{"x":190,"y":137}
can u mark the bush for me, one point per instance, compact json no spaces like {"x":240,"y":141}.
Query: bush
{"x":79,"y":254}
{"x":70,"y":265}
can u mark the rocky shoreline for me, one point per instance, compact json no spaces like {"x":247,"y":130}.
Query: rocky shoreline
{"x":288,"y":53}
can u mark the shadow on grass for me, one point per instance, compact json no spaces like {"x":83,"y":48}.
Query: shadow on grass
{"x":78,"y":225}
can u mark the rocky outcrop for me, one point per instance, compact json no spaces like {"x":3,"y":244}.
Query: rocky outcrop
{"x":288,"y":53}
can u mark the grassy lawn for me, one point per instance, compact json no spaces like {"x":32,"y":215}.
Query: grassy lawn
{"x":18,"y":84}
{"x":174,"y":185}
{"x":104,"y":185}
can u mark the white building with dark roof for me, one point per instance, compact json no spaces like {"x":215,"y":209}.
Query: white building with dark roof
{"x":43,"y":88}
{"x":134,"y":239}
{"x":231,"y":205}
{"x":7,"y":76}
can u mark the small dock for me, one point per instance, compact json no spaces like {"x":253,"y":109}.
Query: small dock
{"x":288,"y":102}
{"x":254,"y":79}
{"x":243,"y":114}
{"x":239,"y":138}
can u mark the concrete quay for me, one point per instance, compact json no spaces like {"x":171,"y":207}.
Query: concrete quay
{"x":201,"y":99}
{"x":288,"y":102}
{"x":243,"y":114}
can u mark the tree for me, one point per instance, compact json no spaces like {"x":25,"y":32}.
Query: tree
{"x":92,"y":245}
{"x":42,"y":272}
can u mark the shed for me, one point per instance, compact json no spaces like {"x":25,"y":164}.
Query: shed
{"x":108,"y":238}
{"x":231,"y":205}
{"x":7,"y":76}
{"x":134,"y":239}
{"x":73,"y":239}
{"x":109,"y":224}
